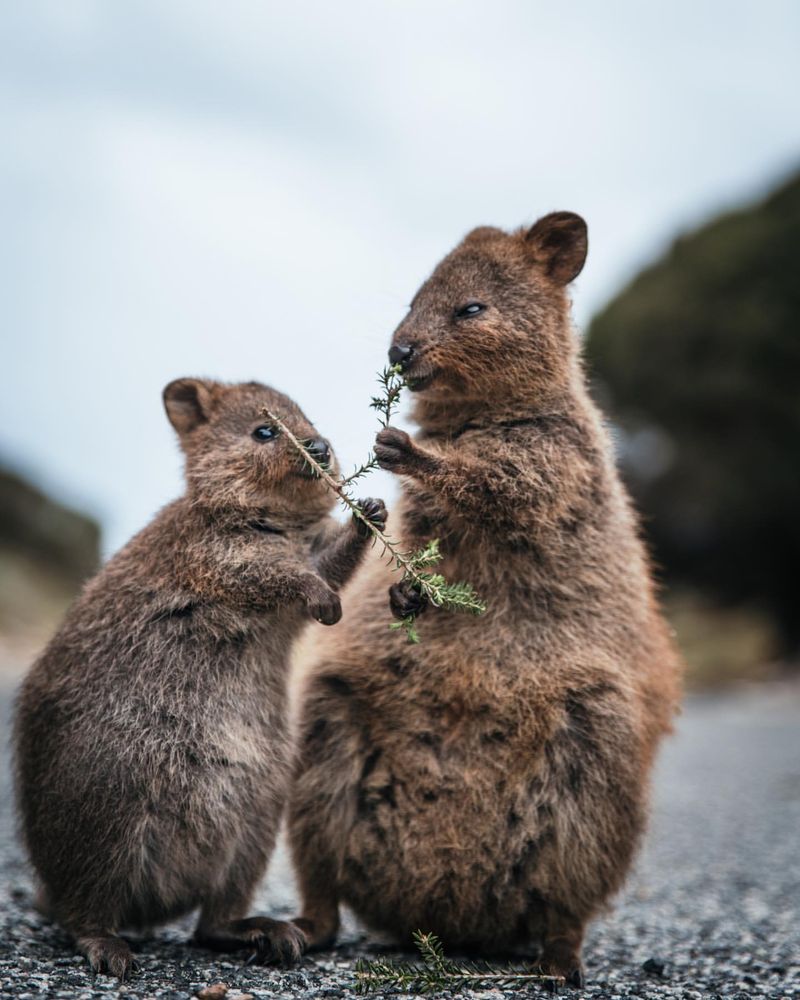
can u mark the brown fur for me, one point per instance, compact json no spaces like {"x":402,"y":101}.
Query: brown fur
{"x":151,"y":743}
{"x":490,"y":783}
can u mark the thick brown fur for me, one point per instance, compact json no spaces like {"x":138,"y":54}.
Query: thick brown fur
{"x":151,"y":743}
{"x":490,"y":784}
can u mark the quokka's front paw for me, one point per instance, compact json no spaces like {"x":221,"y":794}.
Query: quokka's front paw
{"x":406,"y":601}
{"x":323,"y":604}
{"x":396,"y":452}
{"x":375,"y":512}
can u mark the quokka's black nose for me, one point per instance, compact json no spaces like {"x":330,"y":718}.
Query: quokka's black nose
{"x":318,"y":449}
{"x":401,"y":354}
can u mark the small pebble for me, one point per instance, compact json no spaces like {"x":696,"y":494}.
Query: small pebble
{"x":214,"y":992}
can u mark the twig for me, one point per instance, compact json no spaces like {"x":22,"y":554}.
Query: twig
{"x":440,"y":593}
{"x":392,"y":381}
{"x":339,"y":489}
{"x":440,"y":973}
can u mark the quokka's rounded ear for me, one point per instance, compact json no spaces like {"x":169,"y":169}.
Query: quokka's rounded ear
{"x":559,"y":243}
{"x":188,"y":403}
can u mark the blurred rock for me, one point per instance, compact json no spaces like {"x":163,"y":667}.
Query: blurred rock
{"x":46,"y":551}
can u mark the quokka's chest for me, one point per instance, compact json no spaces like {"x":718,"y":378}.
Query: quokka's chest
{"x":435,"y":715}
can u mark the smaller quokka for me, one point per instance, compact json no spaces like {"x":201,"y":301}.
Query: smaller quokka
{"x":152,"y":751}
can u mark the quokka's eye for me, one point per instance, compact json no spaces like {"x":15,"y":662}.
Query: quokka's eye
{"x":265,"y":433}
{"x":470,"y":309}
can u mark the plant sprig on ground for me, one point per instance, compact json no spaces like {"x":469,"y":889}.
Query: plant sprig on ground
{"x":415,"y":566}
{"x":437,"y":972}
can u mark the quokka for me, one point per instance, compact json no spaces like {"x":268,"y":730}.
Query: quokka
{"x":151,"y":740}
{"x":490,"y":783}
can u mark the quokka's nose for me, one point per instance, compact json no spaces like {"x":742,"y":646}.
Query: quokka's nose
{"x":401,"y":354}
{"x":318,"y":449}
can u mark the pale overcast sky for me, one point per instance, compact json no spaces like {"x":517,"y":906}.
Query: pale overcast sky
{"x":256,"y":189}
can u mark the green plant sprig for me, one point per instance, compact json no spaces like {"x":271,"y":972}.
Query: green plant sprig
{"x":391,"y":378}
{"x":438,"y":973}
{"x":392,"y":381}
{"x":415,"y":566}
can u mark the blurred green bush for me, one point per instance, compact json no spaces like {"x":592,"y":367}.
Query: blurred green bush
{"x":698,"y":362}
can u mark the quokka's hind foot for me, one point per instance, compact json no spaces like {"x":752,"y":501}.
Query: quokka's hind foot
{"x":567,"y":967}
{"x":272,"y":941}
{"x":561,"y":952}
{"x":107,"y":953}
{"x":319,"y":934}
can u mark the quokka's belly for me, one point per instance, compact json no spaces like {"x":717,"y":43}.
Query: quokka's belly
{"x":452,"y":848}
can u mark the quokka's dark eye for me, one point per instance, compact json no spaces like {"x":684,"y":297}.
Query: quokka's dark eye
{"x":265,"y":433}
{"x":470,"y":309}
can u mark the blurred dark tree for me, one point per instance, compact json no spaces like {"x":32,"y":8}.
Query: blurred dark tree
{"x":698,"y":362}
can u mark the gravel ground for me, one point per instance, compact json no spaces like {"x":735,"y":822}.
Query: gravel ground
{"x":712,"y":909}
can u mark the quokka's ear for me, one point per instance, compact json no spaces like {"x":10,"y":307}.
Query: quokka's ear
{"x":188,"y":403}
{"x":559,"y":242}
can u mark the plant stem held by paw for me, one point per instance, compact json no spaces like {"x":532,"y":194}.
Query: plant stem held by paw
{"x":392,"y":382}
{"x":415,"y":566}
{"x":438,"y":973}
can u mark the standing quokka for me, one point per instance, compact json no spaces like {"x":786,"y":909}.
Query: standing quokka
{"x":151,"y":739}
{"x":490,"y":783}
